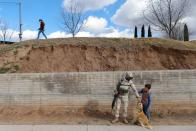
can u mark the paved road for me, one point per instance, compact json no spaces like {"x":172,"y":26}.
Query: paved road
{"x":91,"y":128}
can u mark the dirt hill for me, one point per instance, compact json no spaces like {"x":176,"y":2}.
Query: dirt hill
{"x":96,"y":54}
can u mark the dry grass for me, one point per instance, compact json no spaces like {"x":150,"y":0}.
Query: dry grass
{"x":104,"y":42}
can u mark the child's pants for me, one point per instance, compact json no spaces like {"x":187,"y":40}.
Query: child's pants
{"x":146,"y":111}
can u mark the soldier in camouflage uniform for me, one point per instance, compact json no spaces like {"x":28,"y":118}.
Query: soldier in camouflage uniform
{"x":124,"y":87}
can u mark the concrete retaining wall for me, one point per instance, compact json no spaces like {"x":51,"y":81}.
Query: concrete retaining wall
{"x":78,"y":89}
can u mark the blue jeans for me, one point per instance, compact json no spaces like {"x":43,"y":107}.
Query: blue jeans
{"x":146,"y":111}
{"x":41,"y":31}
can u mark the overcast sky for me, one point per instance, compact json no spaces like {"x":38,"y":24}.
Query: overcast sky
{"x":104,"y":18}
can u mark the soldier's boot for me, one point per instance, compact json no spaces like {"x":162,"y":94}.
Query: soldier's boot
{"x":115,"y":120}
{"x":125,"y":121}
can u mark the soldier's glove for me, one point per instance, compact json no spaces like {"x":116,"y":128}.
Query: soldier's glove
{"x":138,"y":98}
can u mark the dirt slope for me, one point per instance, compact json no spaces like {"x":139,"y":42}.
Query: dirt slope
{"x":97,"y":54}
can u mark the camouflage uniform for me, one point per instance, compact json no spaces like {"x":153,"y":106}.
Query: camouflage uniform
{"x":123,"y":90}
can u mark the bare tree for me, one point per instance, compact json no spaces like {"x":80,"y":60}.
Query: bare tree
{"x":166,"y":14}
{"x":178,"y":32}
{"x":4,"y":31}
{"x":73,"y":18}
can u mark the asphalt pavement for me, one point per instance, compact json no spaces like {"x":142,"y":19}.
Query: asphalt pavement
{"x":91,"y":128}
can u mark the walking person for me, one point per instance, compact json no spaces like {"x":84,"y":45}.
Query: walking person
{"x":41,"y":29}
{"x":123,"y":89}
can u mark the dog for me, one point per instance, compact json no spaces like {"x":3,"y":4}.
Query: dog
{"x":140,"y":117}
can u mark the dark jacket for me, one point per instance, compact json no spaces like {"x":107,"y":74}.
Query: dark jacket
{"x":42,"y":25}
{"x":146,"y":97}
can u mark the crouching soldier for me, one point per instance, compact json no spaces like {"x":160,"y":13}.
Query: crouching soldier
{"x":122,"y":93}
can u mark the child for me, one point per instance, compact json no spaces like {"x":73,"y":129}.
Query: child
{"x":146,"y":99}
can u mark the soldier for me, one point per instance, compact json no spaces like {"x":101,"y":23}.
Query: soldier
{"x":122,"y":91}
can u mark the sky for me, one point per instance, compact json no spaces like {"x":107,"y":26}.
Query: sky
{"x":103,"y":18}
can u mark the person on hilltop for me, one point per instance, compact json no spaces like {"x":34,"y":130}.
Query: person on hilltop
{"x":41,"y":29}
{"x":122,"y":91}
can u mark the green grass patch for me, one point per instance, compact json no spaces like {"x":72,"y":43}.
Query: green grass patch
{"x":4,"y":70}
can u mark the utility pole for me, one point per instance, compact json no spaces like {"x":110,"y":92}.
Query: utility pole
{"x":20,"y":21}
{"x":20,"y":16}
